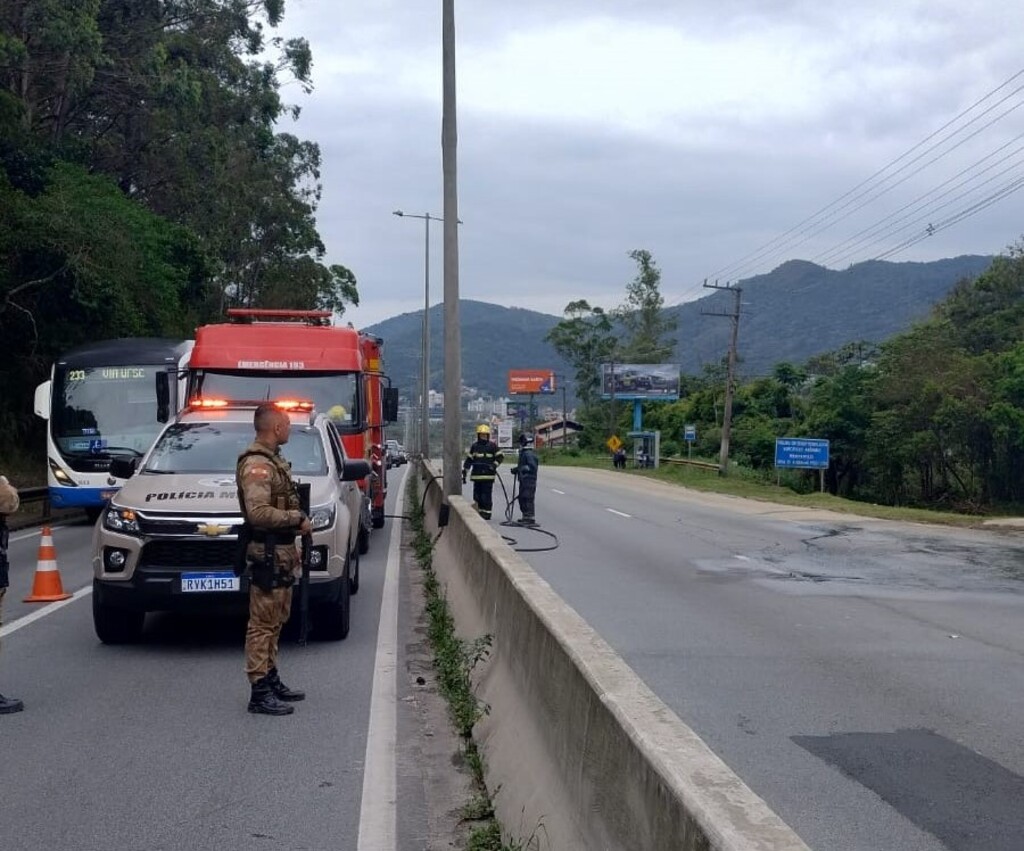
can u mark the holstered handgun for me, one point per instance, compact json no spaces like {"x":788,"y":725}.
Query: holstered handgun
{"x":264,"y":573}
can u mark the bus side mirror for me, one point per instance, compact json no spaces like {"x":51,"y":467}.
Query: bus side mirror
{"x":123,"y":468}
{"x":163,"y":397}
{"x":41,"y":403}
{"x":391,"y":404}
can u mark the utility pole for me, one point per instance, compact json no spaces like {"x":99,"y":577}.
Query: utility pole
{"x":452,"y":331}
{"x":723,"y":455}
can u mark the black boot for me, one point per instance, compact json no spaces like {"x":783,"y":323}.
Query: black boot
{"x":280,"y":690}
{"x":265,"y":702}
{"x":9,"y":705}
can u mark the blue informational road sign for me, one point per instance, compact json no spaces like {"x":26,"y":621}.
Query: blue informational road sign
{"x":803,"y":452}
{"x":690,"y":432}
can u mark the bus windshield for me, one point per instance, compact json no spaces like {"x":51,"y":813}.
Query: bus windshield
{"x":104,"y":410}
{"x":335,"y":394}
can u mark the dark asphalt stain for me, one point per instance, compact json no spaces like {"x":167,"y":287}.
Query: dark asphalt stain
{"x":965,"y":800}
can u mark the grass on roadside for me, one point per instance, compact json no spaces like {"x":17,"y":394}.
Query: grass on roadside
{"x":750,"y":484}
{"x":454,"y":660}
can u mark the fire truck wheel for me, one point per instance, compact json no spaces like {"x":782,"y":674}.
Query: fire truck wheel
{"x":332,"y":617}
{"x":378,"y":518}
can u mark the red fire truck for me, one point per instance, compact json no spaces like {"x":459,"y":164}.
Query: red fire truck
{"x":298,"y":354}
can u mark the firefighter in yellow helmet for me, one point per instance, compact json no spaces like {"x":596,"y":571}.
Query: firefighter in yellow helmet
{"x":482,"y":465}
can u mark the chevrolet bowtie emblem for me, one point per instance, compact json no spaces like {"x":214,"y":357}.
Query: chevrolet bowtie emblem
{"x":212,"y":530}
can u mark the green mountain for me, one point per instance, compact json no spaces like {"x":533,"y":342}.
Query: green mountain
{"x":790,"y":314}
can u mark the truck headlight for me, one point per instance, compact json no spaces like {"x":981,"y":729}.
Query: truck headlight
{"x":322,"y":517}
{"x":122,"y":520}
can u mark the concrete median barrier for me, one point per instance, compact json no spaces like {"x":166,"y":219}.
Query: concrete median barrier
{"x":579,"y":752}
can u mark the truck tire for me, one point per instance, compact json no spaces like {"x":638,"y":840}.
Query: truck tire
{"x":378,"y":518}
{"x":332,"y":618}
{"x":113,"y":625}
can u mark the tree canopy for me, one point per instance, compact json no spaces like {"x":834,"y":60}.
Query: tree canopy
{"x":144,"y":183}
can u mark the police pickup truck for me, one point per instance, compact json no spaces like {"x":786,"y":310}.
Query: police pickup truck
{"x":168,"y":539}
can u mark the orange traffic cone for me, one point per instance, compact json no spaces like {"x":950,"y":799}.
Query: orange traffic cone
{"x":47,"y":587}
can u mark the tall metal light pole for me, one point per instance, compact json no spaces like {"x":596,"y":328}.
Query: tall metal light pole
{"x":452,"y":330}
{"x":425,"y":369}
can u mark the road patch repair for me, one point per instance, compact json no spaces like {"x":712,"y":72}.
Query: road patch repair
{"x":583,"y":754}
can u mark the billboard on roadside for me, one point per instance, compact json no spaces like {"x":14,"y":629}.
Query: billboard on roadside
{"x":531,"y":381}
{"x":640,"y":381}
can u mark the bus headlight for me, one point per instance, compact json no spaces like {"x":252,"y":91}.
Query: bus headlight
{"x":60,"y":475}
{"x":122,"y":520}
{"x":322,"y":517}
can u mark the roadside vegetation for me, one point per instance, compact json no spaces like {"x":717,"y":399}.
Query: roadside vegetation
{"x":753,"y":484}
{"x":146,"y":183}
{"x":930,"y":419}
{"x":454,"y":660}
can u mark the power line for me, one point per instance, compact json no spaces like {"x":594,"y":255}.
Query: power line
{"x":820,"y":218}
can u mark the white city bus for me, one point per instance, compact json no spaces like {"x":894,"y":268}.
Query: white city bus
{"x":103,"y":401}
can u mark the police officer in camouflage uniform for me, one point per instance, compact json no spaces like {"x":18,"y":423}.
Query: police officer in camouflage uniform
{"x":270,"y":504}
{"x":9,"y":502}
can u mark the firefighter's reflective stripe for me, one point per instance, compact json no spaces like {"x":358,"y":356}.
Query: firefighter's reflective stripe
{"x":482,"y":461}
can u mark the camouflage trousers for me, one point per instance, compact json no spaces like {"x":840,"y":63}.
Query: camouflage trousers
{"x":268,"y":612}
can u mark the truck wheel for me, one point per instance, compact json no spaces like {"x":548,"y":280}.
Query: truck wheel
{"x":332,"y":619}
{"x":378,"y":518}
{"x":115,"y":626}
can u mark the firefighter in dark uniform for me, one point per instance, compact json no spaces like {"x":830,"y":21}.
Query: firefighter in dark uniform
{"x":482,"y":465}
{"x":526,"y":470}
{"x":270,"y":504}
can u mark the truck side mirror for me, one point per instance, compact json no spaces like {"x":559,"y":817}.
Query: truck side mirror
{"x":391,"y":404}
{"x":163,"y":397}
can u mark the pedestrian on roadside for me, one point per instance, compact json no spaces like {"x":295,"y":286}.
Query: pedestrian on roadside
{"x":482,"y":465}
{"x":526,"y":470}
{"x":270,"y":505}
{"x":9,"y":502}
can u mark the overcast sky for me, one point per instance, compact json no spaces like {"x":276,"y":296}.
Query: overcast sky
{"x":698,"y":129}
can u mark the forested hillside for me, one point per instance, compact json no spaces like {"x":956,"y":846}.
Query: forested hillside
{"x":145,"y":183}
{"x":791,"y":314}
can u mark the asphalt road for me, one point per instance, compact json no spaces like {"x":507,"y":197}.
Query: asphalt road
{"x":150,"y":746}
{"x":864,"y":677}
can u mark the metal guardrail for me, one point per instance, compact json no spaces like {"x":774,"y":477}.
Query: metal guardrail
{"x":686,"y":462}
{"x":41,"y":494}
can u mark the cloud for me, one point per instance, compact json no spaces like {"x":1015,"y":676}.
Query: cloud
{"x":700,"y":131}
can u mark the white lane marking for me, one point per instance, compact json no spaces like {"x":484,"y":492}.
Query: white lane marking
{"x":377,"y":812}
{"x":14,"y":626}
{"x":35,"y":534}
{"x":620,"y":513}
{"x":743,"y":558}
{"x":556,"y":490}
